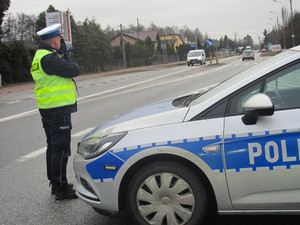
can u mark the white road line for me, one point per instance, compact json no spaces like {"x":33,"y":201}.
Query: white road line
{"x":31,"y":112}
{"x":131,"y":85}
{"x":32,"y":155}
{"x":98,"y":95}
{"x":42,"y":150}
{"x":83,"y":132}
{"x":20,"y":115}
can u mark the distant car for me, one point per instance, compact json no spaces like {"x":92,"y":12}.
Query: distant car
{"x":248,"y":54}
{"x":234,"y":148}
{"x":240,"y":50}
{"x":196,"y":57}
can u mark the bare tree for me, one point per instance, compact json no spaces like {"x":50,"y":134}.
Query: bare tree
{"x":21,"y":27}
{"x":30,"y":27}
{"x":9,"y":28}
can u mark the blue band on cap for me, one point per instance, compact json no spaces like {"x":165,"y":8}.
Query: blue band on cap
{"x":53,"y":34}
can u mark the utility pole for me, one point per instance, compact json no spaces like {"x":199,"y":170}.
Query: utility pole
{"x":196,"y":39}
{"x":283,"y":27}
{"x":293,"y":34}
{"x":138,"y":28}
{"x":235,"y":34}
{"x":123,"y":47}
{"x":283,"y":23}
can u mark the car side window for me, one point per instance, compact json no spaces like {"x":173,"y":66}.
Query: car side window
{"x":217,"y":110}
{"x":236,"y":102}
{"x":284,"y":88}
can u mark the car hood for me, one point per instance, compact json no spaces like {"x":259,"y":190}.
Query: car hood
{"x":156,"y":114}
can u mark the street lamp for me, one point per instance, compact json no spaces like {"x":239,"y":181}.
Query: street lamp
{"x":276,"y":38}
{"x":281,"y":10}
{"x":277,"y":19}
{"x":283,"y":22}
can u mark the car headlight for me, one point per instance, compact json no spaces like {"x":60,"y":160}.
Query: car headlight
{"x":95,"y":146}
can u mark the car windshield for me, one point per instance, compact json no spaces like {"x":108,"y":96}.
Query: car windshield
{"x":243,"y":75}
{"x":247,"y":51}
{"x":191,"y":54}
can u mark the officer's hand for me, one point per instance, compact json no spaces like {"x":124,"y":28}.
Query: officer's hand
{"x":63,"y":47}
{"x":68,"y":56}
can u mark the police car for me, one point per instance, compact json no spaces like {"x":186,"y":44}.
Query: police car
{"x":234,"y":149}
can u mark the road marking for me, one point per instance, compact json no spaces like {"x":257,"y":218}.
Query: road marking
{"x":32,"y":155}
{"x":113,"y":92}
{"x":42,"y":150}
{"x":32,"y":112}
{"x":83,"y":132}
{"x":132,"y":85}
{"x":20,"y":115}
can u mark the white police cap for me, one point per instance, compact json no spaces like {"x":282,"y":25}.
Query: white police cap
{"x":49,"y":32}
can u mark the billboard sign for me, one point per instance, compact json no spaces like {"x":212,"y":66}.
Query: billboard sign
{"x":275,"y":48}
{"x":64,"y":19}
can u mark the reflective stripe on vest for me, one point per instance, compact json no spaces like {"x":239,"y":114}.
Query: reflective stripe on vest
{"x":51,"y":91}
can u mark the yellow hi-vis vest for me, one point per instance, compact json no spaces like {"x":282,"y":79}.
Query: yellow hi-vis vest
{"x":51,"y":91}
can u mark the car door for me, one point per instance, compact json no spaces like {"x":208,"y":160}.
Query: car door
{"x":263,"y":160}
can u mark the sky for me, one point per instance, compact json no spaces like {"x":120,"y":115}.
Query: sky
{"x":216,"y":18}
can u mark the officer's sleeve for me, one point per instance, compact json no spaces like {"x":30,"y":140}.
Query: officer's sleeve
{"x":52,"y":64}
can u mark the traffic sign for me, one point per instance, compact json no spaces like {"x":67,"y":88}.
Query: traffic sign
{"x":163,"y":46}
{"x":209,"y":42}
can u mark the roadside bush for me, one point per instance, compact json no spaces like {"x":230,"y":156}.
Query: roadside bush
{"x":15,"y":62}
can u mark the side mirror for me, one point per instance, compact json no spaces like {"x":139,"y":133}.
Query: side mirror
{"x":257,"y":105}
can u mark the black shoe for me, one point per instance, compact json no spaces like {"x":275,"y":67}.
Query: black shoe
{"x":65,"y":192}
{"x":53,"y":189}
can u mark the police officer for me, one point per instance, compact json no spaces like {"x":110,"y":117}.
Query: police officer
{"x":56,"y":99}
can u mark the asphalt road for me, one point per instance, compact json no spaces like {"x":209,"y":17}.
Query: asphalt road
{"x":25,"y":195}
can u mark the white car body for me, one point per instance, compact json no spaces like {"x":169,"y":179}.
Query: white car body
{"x":252,"y":168}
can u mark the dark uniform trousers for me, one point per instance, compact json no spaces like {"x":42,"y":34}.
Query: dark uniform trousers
{"x":57,"y":126}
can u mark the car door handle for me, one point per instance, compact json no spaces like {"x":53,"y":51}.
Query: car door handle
{"x":211,"y":148}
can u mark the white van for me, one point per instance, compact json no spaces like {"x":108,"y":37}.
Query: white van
{"x":196,"y":56}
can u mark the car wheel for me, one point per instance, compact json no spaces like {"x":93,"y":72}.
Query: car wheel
{"x":166,"y":193}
